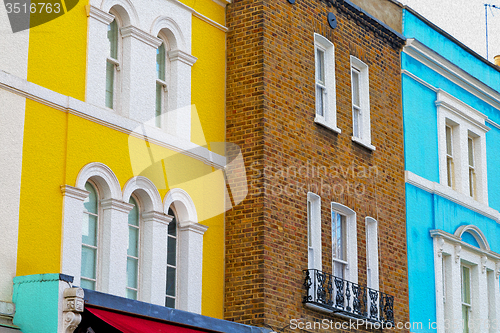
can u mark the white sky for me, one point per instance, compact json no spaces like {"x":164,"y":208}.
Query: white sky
{"x":464,"y":20}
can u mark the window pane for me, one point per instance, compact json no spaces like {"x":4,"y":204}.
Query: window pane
{"x":356,"y":122}
{"x":110,"y":82}
{"x":465,"y":285}
{"x":133,"y":215}
{"x":132,"y":294}
{"x":309,"y":218}
{"x":171,"y":281}
{"x":449,"y":147}
{"x":172,"y":226}
{"x":89,"y":229}
{"x":471,"y":152}
{"x":87,"y":284}
{"x":320,"y":66}
{"x":171,"y":248}
{"x":355,"y":87}
{"x":170,"y":302}
{"x":338,"y":269}
{"x":159,"y":97}
{"x":88,"y":262}
{"x":113,"y":39}
{"x":472,"y":181}
{"x":160,"y":62}
{"x":90,"y":203}
{"x":449,"y":168}
{"x":133,"y":242}
{"x":340,"y":237}
{"x":132,"y":268}
{"x":465,"y":318}
{"x":320,"y":101}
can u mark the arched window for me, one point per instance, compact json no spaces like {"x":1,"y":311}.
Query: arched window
{"x":161,"y":84}
{"x":171,"y":261}
{"x":90,"y":241}
{"x":112,"y":64}
{"x":134,"y":235}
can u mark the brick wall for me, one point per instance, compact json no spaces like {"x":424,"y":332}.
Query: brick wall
{"x":270,"y":115}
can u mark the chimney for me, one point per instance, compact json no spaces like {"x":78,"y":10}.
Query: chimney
{"x":497,"y":60}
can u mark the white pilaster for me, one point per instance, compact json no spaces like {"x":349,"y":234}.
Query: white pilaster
{"x":190,"y":265}
{"x":113,"y":247}
{"x":154,"y":257}
{"x":73,"y":199}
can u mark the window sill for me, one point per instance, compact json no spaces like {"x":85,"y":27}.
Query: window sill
{"x":364,"y":144}
{"x":331,"y":127}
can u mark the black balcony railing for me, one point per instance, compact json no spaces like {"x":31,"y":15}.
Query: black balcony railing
{"x":337,"y":295}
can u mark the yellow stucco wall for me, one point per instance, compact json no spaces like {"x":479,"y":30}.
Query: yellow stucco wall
{"x":57,"y":145}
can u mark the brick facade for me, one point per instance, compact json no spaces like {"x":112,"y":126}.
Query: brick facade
{"x":270,"y":115}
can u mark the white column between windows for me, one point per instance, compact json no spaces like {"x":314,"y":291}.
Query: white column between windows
{"x":154,"y":257}
{"x":97,"y":52}
{"x":479,"y":293}
{"x":178,"y":117}
{"x":139,"y":74}
{"x":454,"y":290}
{"x":73,"y":199}
{"x":190,"y":269}
{"x":113,"y":243}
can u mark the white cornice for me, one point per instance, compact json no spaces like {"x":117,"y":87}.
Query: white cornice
{"x":223,"y":3}
{"x":436,"y":62}
{"x":106,"y":118}
{"x":457,"y":107}
{"x":143,"y":36}
{"x":182,"y":56}
{"x":452,"y":195}
{"x":156,"y":217}
{"x":114,"y":204}
{"x":99,"y":15}
{"x":193,"y":226}
{"x":211,"y":22}
{"x":74,"y":192}
{"x":458,"y":241}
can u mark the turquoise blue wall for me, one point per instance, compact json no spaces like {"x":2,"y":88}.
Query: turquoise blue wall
{"x":37,"y":299}
{"x":426,"y":211}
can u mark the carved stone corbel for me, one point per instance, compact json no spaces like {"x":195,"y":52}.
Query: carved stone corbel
{"x":484,"y":260}
{"x":458,"y":249}
{"x":440,"y":242}
{"x":72,"y":307}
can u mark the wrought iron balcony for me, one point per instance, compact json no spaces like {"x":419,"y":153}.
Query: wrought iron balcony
{"x":332,"y":294}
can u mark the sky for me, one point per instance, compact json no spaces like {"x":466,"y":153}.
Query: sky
{"x":464,"y":20}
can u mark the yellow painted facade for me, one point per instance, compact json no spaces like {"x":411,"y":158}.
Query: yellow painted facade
{"x":58,"y":144}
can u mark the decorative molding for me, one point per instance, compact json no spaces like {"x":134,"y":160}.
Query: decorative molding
{"x":454,"y":196}
{"x":99,"y":15}
{"x":118,"y":205}
{"x":74,"y":192}
{"x":436,"y":62}
{"x":461,"y":109}
{"x":140,"y":35}
{"x":459,"y":245}
{"x":210,"y":21}
{"x":148,"y":196}
{"x":223,"y":3}
{"x":182,"y":56}
{"x":476,"y":233}
{"x":497,"y":269}
{"x":193,"y":226}
{"x":102,"y":116}
{"x":484,"y":260}
{"x":72,"y":307}
{"x":440,"y":243}
{"x":156,"y":217}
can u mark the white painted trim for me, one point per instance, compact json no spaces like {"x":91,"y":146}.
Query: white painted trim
{"x":177,"y":41}
{"x":140,"y":35}
{"x":223,"y":3}
{"x":351,"y":271}
{"x":132,"y":17}
{"x":210,"y":21}
{"x":183,"y":204}
{"x":457,"y":240}
{"x":99,"y":15}
{"x":184,"y":57}
{"x":104,"y":178}
{"x":314,"y":252}
{"x":329,"y":118}
{"x":102,"y":116}
{"x":433,"y":60}
{"x":454,"y":196}
{"x":146,"y":191}
{"x":365,"y":138}
{"x":372,"y":262}
{"x":476,"y":233}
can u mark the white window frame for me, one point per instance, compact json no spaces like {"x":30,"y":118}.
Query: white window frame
{"x":314,"y":259}
{"x":364,"y":137}
{"x":450,"y":254}
{"x":329,"y":117}
{"x":372,"y":263}
{"x":160,"y":120}
{"x":116,"y":63}
{"x":466,"y":122}
{"x":97,"y":247}
{"x":351,"y":265}
{"x":176,"y":266}
{"x":140,"y":229}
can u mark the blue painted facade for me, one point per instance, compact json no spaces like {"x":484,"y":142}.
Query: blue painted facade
{"x":427,"y":209}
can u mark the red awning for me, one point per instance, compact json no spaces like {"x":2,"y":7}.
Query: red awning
{"x":132,"y":324}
